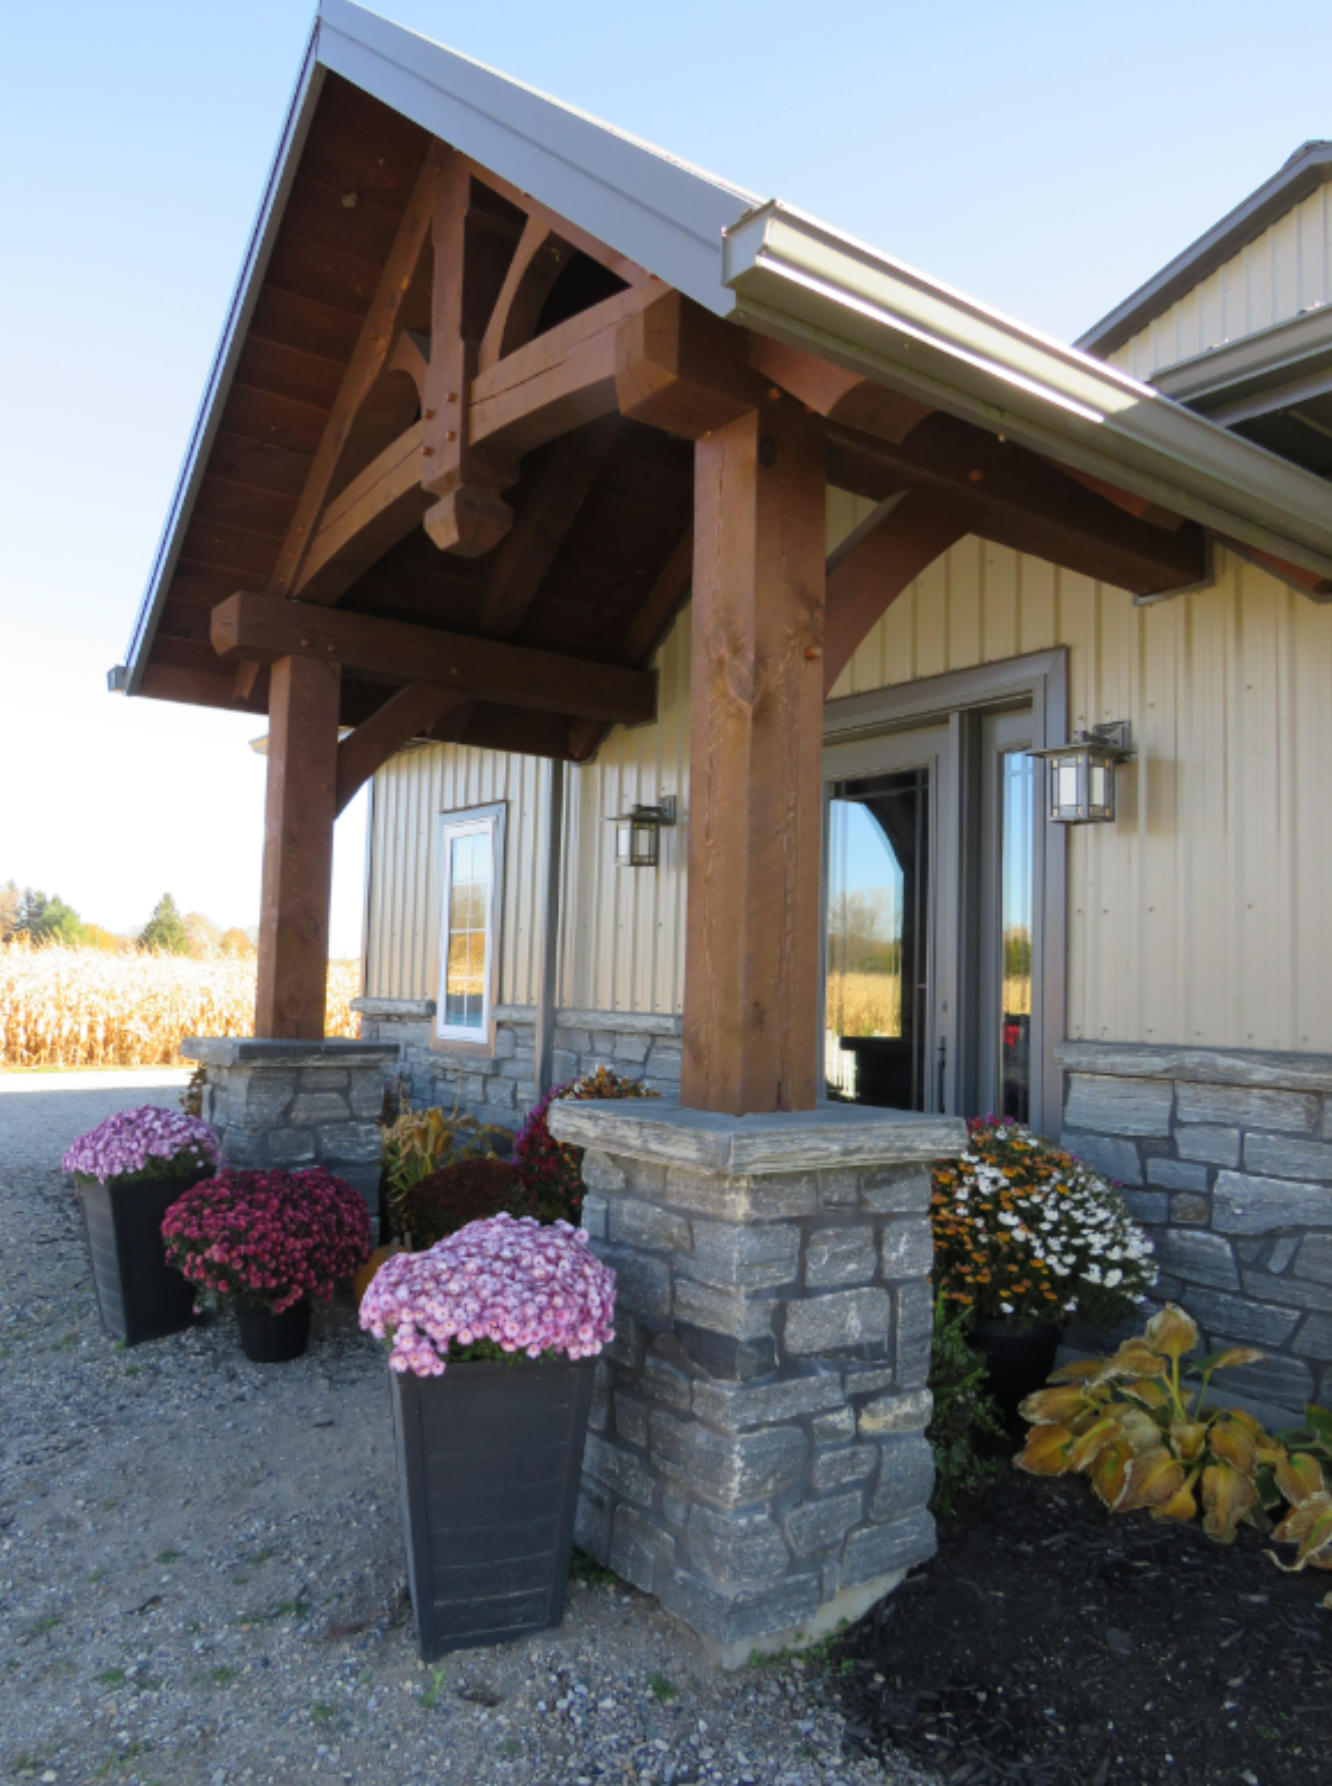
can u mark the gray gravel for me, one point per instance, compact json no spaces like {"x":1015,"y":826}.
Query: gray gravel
{"x":201,"y":1576}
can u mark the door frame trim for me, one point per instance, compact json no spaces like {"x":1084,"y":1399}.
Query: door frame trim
{"x":1041,"y":679}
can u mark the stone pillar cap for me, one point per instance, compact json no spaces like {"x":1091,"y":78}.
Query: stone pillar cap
{"x":255,"y":1051}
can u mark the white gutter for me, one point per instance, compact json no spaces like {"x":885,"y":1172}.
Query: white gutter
{"x":799,"y":280}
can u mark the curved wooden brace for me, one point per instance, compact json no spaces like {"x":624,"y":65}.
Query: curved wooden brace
{"x":404,"y":716}
{"x":374,"y":512}
{"x":538,"y":261}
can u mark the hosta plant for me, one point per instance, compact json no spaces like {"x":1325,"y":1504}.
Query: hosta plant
{"x":1027,"y":1230}
{"x":1139,"y":1426}
{"x":553,"y":1170}
{"x":135,"y":1146}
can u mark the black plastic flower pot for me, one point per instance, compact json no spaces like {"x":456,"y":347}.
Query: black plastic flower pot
{"x":139,"y":1296}
{"x":1019,"y":1357}
{"x":267,"y":1338}
{"x":489,"y":1457}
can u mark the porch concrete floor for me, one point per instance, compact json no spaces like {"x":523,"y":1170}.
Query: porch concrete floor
{"x":201,"y":1575}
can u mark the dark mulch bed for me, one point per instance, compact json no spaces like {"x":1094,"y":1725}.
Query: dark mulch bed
{"x":1051,"y":1644}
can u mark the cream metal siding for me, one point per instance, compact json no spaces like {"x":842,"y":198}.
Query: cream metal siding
{"x":1285,"y":270}
{"x":1201,"y":916}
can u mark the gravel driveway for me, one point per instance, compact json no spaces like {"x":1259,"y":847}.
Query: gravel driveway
{"x":201,"y":1576}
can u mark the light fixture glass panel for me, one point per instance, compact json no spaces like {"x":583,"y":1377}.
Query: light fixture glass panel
{"x":1066,"y":783}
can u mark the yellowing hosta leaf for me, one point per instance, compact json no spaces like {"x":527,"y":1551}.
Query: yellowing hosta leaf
{"x":1227,"y":1497}
{"x":1152,"y":1479}
{"x":1181,"y":1505}
{"x":1231,"y":1359}
{"x":1138,"y":1428}
{"x":1046,"y":1451}
{"x":1298,"y":1477}
{"x":1135,"y":1358}
{"x":1053,"y":1406}
{"x":1310,"y":1526}
{"x":1096,"y":1438}
{"x":1081,"y":1370}
{"x":1144,"y":1390}
{"x":1171,"y":1332}
{"x":1233,"y":1445}
{"x":1107,"y":1471}
{"x":1188,"y":1438}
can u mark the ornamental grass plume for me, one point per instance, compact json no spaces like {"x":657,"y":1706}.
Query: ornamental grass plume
{"x":1025,"y":1229}
{"x":495,"y":1288}
{"x":135,"y":1146}
{"x":268,"y":1238}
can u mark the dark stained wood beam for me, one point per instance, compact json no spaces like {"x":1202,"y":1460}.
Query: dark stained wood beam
{"x":539,"y":259}
{"x":374,"y":512}
{"x":404,"y":716}
{"x":681,"y":369}
{"x":831,"y":391}
{"x":298,"y":849}
{"x":268,"y":628}
{"x":610,"y":258}
{"x":756,"y":739}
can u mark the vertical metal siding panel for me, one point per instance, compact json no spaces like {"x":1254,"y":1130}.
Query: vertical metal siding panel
{"x":965,"y":567}
{"x":1034,"y":586}
{"x":931,"y":605}
{"x":1001,"y":614}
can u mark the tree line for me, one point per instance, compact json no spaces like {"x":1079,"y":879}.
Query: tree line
{"x":39,"y":917}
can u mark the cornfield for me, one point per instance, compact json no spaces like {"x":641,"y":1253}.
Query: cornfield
{"x":63,"y":1006}
{"x":862,"y":1004}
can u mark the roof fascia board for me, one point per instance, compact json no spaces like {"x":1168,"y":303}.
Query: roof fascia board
{"x":661,"y":212}
{"x":796,"y":278}
{"x":281,"y":175}
{"x":1309,"y":168}
{"x":1289,"y":350}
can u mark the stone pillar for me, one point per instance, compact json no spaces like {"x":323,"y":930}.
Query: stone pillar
{"x":294,"y":1104}
{"x":757,"y":1457}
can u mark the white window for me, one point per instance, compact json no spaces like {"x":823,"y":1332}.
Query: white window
{"x":471,"y":876}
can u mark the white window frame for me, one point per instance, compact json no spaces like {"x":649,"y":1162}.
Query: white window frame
{"x":470,"y":822}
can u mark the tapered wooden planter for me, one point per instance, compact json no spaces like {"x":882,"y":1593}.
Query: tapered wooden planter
{"x":489,"y":1457}
{"x":139,"y":1296}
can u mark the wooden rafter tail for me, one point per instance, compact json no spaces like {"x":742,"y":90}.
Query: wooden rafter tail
{"x":373,"y":352}
{"x":835,"y":393}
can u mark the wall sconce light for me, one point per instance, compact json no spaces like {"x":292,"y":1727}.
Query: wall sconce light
{"x":638,"y":833}
{"x":1082,"y":774}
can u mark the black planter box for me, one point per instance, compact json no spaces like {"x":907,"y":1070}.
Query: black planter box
{"x":139,"y":1296}
{"x":489,"y":1457}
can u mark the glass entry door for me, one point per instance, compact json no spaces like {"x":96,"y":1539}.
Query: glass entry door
{"x":880,"y":933}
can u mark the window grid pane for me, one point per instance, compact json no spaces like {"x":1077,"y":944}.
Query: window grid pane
{"x":467,"y":945}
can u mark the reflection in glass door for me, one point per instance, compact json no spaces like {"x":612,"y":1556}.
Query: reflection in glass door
{"x":1016,"y":926}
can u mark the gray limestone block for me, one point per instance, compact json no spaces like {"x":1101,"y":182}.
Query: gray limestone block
{"x":1315,"y":1258}
{"x":1259,"y":1323}
{"x":907,"y":1249}
{"x":1187,"y":1206}
{"x":895,"y":1190}
{"x":641,"y":1551}
{"x":625,"y":1050}
{"x":291,"y":1147}
{"x":1314,"y":1340}
{"x":500,"y":1091}
{"x":735,"y":1257}
{"x":819,"y":1525}
{"x":737,"y":1549}
{"x":244,"y":1147}
{"x":665,"y":1374}
{"x":318,"y":1106}
{"x":472,"y":1085}
{"x":592,"y":1520}
{"x":563,"y":1066}
{"x":674,"y":1507}
{"x":258,"y":1100}
{"x":642,"y":1283}
{"x":596,"y":1419}
{"x":637,"y":1223}
{"x":1201,"y":1258}
{"x":521,"y":1068}
{"x":835,"y":1469}
{"x":839,"y":1256}
{"x":601,"y":1172}
{"x":645,"y":1179}
{"x":506,"y":1042}
{"x":366,"y":1096}
{"x":631,"y":1420}
{"x":627,"y":1346}
{"x":839,"y":1188}
{"x":1236,"y":1106}
{"x":1244,"y":1205}
{"x":761,"y":1404}
{"x":1148,"y":1206}
{"x":1294,"y":1292}
{"x":867,"y":1379}
{"x":906,"y":1477}
{"x":1279,"y":1253}
{"x":740,"y":1614}
{"x":882,"y":1550}
{"x":771,"y":1198}
{"x":1177,"y":1175}
{"x":913,"y":1331}
{"x":594,"y":1218}
{"x":617,"y":1469}
{"x":888,"y":1414}
{"x":1110,"y":1155}
{"x":840,"y":1320}
{"x":726,"y":1358}
{"x":830,"y":1574}
{"x":723,"y":1311}
{"x":1217,"y":1147}
{"x":665,"y":1056}
{"x":837,"y":1428}
{"x":314,"y":1080}
{"x":364,"y":1179}
{"x":730,"y":1469}
{"x":354,"y":1141}
{"x":1118,"y":1106}
{"x":1274,"y":1382}
{"x":1287,"y":1156}
{"x":573,"y":1041}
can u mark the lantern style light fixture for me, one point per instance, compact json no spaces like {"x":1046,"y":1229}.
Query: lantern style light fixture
{"x":1082,"y":774}
{"x":638,"y":833}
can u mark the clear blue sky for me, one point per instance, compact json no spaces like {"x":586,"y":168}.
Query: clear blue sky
{"x":1044,"y":157}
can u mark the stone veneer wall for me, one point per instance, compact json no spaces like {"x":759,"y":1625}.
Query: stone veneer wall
{"x":1226,"y":1156}
{"x":757,"y":1456}
{"x":500,"y":1086}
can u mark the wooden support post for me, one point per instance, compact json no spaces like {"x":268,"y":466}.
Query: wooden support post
{"x":548,"y":943}
{"x":756,"y":741}
{"x":298,"y":849}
